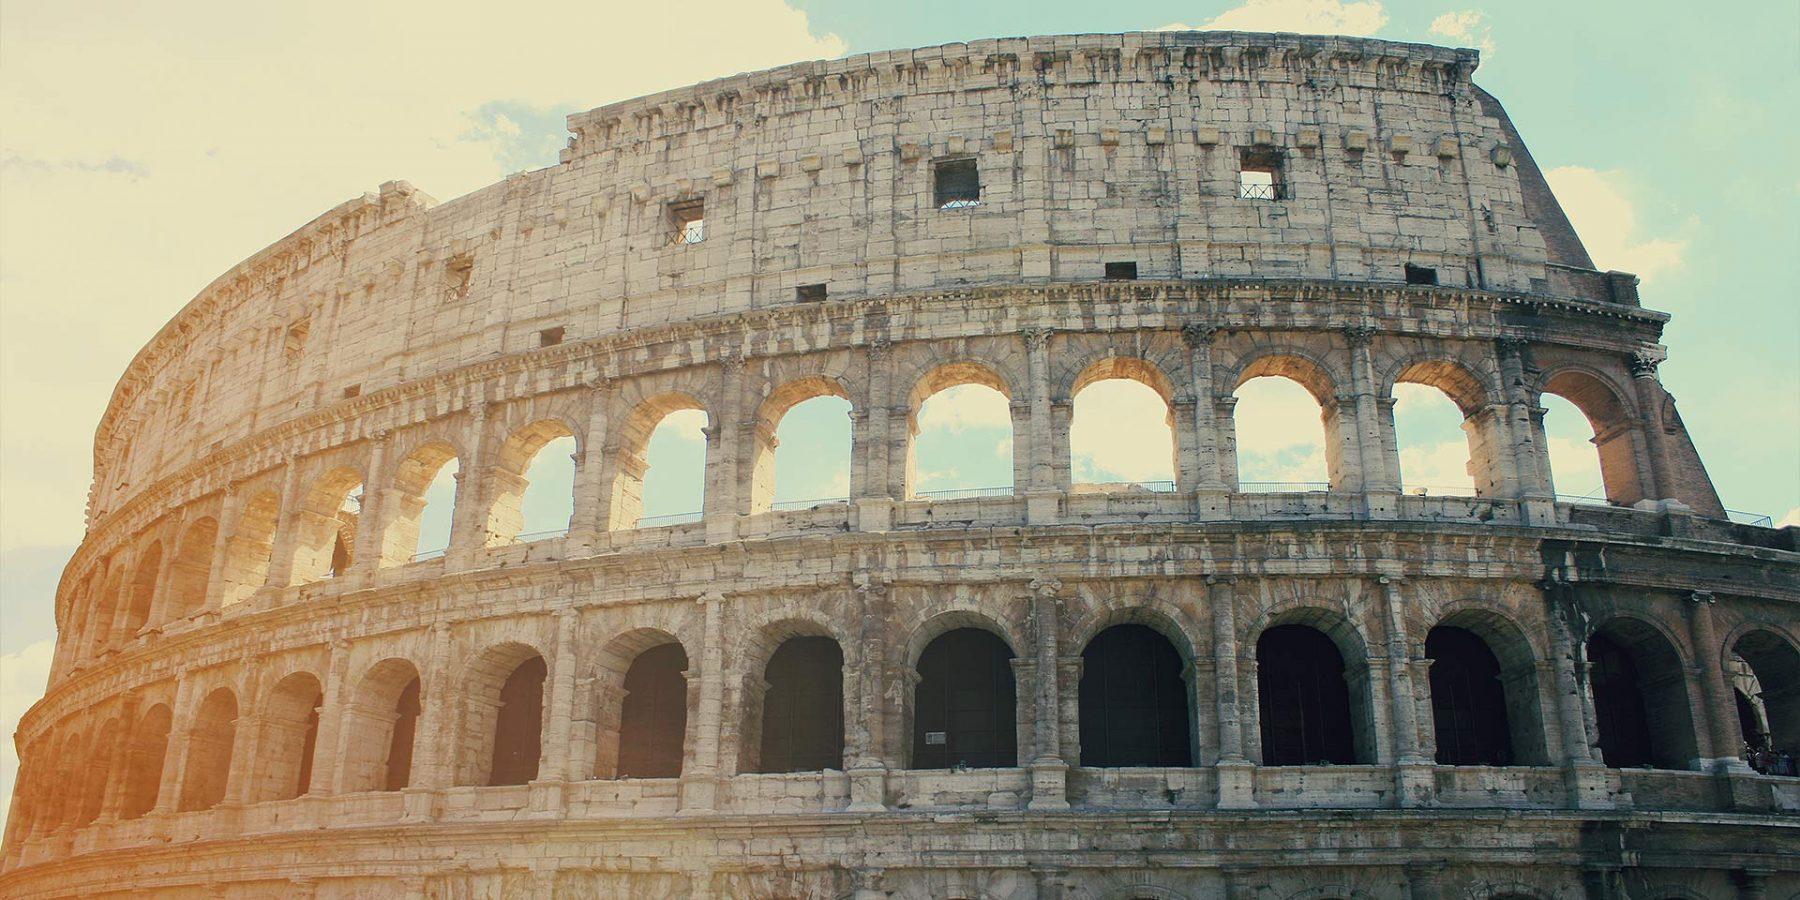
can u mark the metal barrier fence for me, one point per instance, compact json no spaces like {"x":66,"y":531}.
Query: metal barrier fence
{"x":961,"y":493}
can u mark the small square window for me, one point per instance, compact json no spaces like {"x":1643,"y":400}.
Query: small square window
{"x":1420,"y":274}
{"x":687,"y":221}
{"x":956,"y":183}
{"x":1121,"y":271}
{"x":1259,"y":176}
{"x":809,"y":293}
{"x":354,"y":390}
{"x":550,"y":337}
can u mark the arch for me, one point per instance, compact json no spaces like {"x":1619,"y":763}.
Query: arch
{"x":965,"y":707}
{"x":247,"y":553}
{"x":1639,"y":689}
{"x":1517,"y":676}
{"x":106,"y":605}
{"x":207,"y":768}
{"x":97,"y":773}
{"x":519,"y":506}
{"x":631,"y":455}
{"x":1113,"y":376}
{"x":1468,"y":701}
{"x":928,"y":386}
{"x":501,"y":739}
{"x":381,"y":723}
{"x":766,"y":492}
{"x":1773,"y":688}
{"x":1313,"y":693}
{"x":612,"y":664}
{"x":1135,"y":701}
{"x":142,"y":590}
{"x":1255,"y":461}
{"x":191,"y":569}
{"x":288,"y":739}
{"x":1453,"y":377}
{"x":64,"y":794}
{"x":145,"y":757}
{"x":405,"y":505}
{"x":801,"y":726}
{"x":1438,"y":449}
{"x":653,"y":714}
{"x":325,"y":526}
{"x":1612,"y":420}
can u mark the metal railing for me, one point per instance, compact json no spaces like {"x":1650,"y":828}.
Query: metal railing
{"x":1253,"y":191}
{"x":530,"y":536}
{"x":1438,"y":490}
{"x":963,"y":493}
{"x":423,"y":555}
{"x":1282,"y":487}
{"x":682,"y":518}
{"x":785,"y":505}
{"x":1750,"y":518}
{"x":1595,"y":497}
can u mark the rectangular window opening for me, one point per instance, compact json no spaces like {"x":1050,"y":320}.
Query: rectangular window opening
{"x":458,"y":271}
{"x":687,"y":221}
{"x":956,"y":183}
{"x":809,"y":293}
{"x":354,"y":390}
{"x":1420,"y":274}
{"x":1259,"y":176}
{"x":1121,"y":271}
{"x":550,"y":337}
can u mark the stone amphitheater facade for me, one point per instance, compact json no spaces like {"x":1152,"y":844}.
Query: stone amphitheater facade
{"x":257,"y":695}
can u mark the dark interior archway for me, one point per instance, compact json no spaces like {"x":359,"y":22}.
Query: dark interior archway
{"x":1468,"y":701}
{"x":653,"y":719}
{"x":1640,"y":698}
{"x":144,"y":762}
{"x":1133,"y":700}
{"x":519,"y":724}
{"x":965,"y":703}
{"x":1303,"y":698}
{"x":803,"y":707}
{"x":400,"y":744}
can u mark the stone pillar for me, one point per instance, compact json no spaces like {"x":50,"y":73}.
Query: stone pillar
{"x":1049,"y":773}
{"x":1416,"y":783}
{"x":181,"y":727}
{"x":246,"y":736}
{"x":287,"y":527}
{"x":1649,"y":395}
{"x":1720,"y":716}
{"x":872,"y":477}
{"x":1236,"y":773}
{"x":432,"y":768}
{"x":868,"y":745}
{"x":114,"y":795}
{"x":468,"y":522}
{"x":165,"y":580}
{"x":699,"y":787}
{"x":366,"y":555}
{"x":1203,"y":473}
{"x":1041,"y":472}
{"x":1225,"y":431}
{"x":1524,"y":433}
{"x":725,"y":444}
{"x":590,"y":519}
{"x":1590,"y":784}
{"x":1366,"y":429}
{"x":329,"y":746}
{"x":559,"y":760}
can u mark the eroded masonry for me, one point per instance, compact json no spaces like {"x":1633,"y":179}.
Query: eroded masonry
{"x":267,"y":685}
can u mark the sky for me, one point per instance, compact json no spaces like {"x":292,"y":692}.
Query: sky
{"x":147,"y":148}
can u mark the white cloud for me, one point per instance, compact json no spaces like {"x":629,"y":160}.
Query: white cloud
{"x":1436,"y":467}
{"x":685,"y":424}
{"x":964,"y":407}
{"x":1468,"y":27}
{"x":1280,"y":436}
{"x":1359,"y":18}
{"x":1600,"y":205}
{"x":1120,"y":433}
{"x":22,"y":679}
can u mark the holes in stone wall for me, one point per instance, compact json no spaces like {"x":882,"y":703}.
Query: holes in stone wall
{"x":956,"y":183}
{"x":687,"y":221}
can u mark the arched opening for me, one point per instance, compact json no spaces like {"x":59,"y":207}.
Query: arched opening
{"x":1516,"y":677}
{"x":1134,"y":700}
{"x":247,"y":553}
{"x":208,"y":764}
{"x":381,"y":722}
{"x":144,"y":760}
{"x":142,"y":591}
{"x":325,"y":527}
{"x":1590,"y":440}
{"x":533,"y":486}
{"x":660,"y":464}
{"x":503,"y":706}
{"x":192,"y":566}
{"x":1305,"y":701}
{"x":1468,"y":701}
{"x":960,"y":435}
{"x":1640,"y":698}
{"x":802,"y":728}
{"x":98,"y":772}
{"x":290,"y":735}
{"x":1274,"y":446}
{"x":802,"y":447}
{"x":1765,"y":674}
{"x":420,"y":507}
{"x":964,"y":704}
{"x":106,"y":605}
{"x":1433,"y":442}
{"x":1122,"y":431}
{"x":65,"y":793}
{"x":653,"y":715}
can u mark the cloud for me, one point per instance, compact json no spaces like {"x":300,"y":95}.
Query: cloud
{"x":965,"y":407}
{"x":22,"y":679}
{"x":1120,"y":433}
{"x":1280,"y":436}
{"x":1601,"y":207}
{"x":1359,"y":18}
{"x":1468,"y":27}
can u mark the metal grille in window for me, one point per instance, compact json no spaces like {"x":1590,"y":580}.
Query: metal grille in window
{"x":1259,"y":176}
{"x":688,"y":219}
{"x":957,"y":183}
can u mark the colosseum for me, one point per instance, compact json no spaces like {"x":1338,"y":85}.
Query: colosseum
{"x":1206,"y":688}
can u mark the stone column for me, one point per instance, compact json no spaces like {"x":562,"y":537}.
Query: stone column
{"x":725,"y":444}
{"x":871,"y":460}
{"x":329,"y":746}
{"x":1659,"y":483}
{"x":558,"y":757}
{"x":1590,"y":784}
{"x":589,"y":521}
{"x":1413,"y":770}
{"x":1225,"y":432}
{"x":1722,"y":732}
{"x":287,"y":527}
{"x":700,"y":786}
{"x":432,"y":768}
{"x":1049,"y":773}
{"x":868,"y":750}
{"x":181,"y":727}
{"x":1203,"y":475}
{"x":1365,"y":430}
{"x":246,"y":736}
{"x":1236,"y":773}
{"x":366,"y":555}
{"x":1047,"y":459}
{"x":468,"y":524}
{"x":114,"y":795}
{"x":165,"y":580}
{"x":1524,"y":434}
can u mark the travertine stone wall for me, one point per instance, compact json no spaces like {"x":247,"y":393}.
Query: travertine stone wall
{"x":201,"y":622}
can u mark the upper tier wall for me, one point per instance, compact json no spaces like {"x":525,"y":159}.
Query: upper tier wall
{"x":1089,"y":148}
